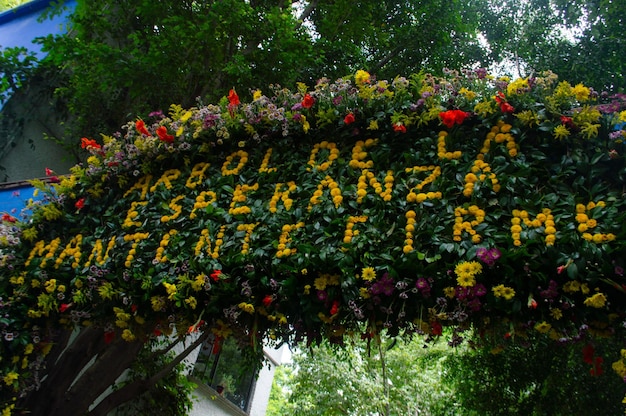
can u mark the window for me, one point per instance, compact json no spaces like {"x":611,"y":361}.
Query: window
{"x":223,"y":370}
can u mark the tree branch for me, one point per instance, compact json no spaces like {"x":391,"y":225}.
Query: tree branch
{"x":308,"y":10}
{"x":135,"y":388}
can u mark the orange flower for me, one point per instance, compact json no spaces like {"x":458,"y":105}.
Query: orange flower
{"x":163,"y":136}
{"x":141,"y":128}
{"x":399,"y":128}
{"x":88,"y":144}
{"x":233,"y":98}
{"x":308,"y":101}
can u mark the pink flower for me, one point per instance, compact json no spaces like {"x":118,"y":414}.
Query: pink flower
{"x":49,"y":172}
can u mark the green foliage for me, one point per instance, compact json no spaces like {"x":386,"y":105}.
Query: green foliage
{"x":17,"y":65}
{"x":10,"y":4}
{"x":535,"y":378}
{"x":128,"y":58}
{"x":399,"y":378}
{"x":170,"y":396}
{"x":582,"y":41}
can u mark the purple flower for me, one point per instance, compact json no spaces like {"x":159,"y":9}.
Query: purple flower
{"x":384,"y":285}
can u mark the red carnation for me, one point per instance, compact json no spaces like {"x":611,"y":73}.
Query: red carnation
{"x":308,"y":101}
{"x":163,"y":135}
{"x":349,"y":119}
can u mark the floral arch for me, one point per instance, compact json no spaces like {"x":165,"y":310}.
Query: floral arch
{"x":356,"y":206}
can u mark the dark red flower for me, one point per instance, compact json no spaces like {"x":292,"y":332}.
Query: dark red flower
{"x":141,"y":128}
{"x":88,"y":144}
{"x":349,"y":119}
{"x":399,"y":128}
{"x":216,"y":275}
{"x":267,"y":300}
{"x":163,"y":135}
{"x":80,"y":204}
{"x":8,"y":218}
{"x":64,"y":307}
{"x":217,"y":345}
{"x":109,"y":336}
{"x":588,"y":352}
{"x":49,"y":172}
{"x":308,"y":101}
{"x":436,"y":328}
{"x":335,"y":308}
{"x":233,"y":98}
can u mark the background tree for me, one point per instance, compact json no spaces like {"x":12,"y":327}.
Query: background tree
{"x":125,"y":59}
{"x":581,"y":41}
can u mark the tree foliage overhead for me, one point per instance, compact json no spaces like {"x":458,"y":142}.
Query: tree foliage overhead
{"x":131,"y":57}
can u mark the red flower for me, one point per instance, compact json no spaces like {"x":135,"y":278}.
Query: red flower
{"x":267,"y":300}
{"x":399,"y":128}
{"x":233,"y":98}
{"x":8,"y":218}
{"x":216,"y":275}
{"x":349,"y":119}
{"x":596,"y":370}
{"x":217,"y":345}
{"x":141,"y":128}
{"x":308,"y":101}
{"x":532,"y":303}
{"x":588,"y":352}
{"x":80,"y":204}
{"x":451,"y":117}
{"x":505,"y":107}
{"x":109,"y":336}
{"x":335,"y":308}
{"x":89,"y":144}
{"x":163,"y":136}
{"x":49,"y":172}
{"x":436,"y":328}
{"x":64,"y":307}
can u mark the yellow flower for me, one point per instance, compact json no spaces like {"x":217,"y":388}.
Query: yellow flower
{"x":581,"y":92}
{"x":256,"y":95}
{"x":598,"y":300}
{"x":127,"y":335}
{"x":171,"y":290}
{"x":561,"y":132}
{"x":368,"y":274}
{"x":10,"y":378}
{"x":543,"y":327}
{"x":361,"y":77}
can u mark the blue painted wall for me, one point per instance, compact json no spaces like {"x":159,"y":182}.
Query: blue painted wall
{"x":20,"y":26}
